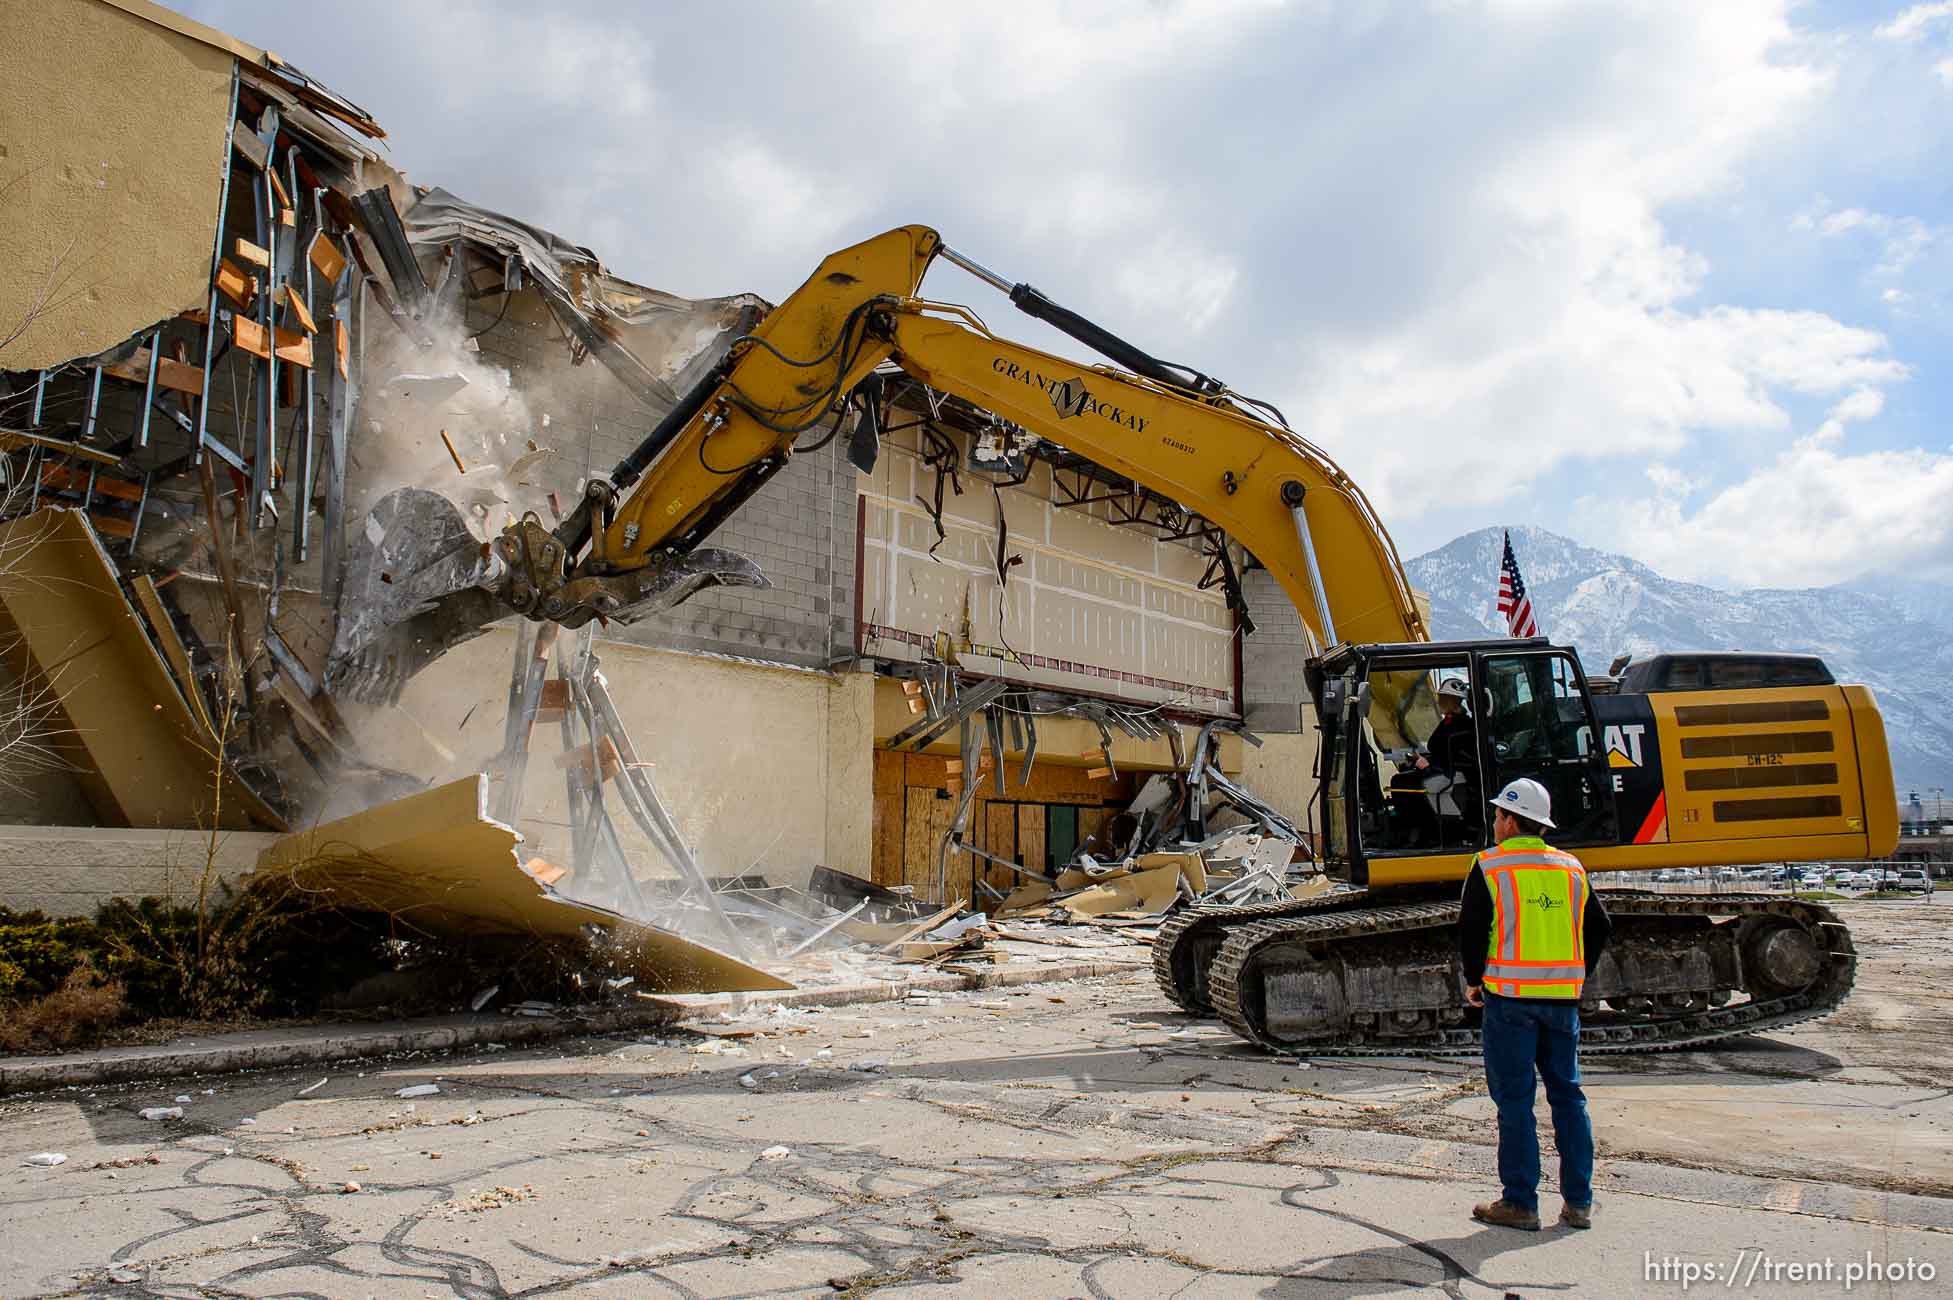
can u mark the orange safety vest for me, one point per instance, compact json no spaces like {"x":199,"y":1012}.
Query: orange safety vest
{"x":1539,"y":897}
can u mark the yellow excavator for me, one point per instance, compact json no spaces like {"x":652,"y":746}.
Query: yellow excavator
{"x":1687,"y":763}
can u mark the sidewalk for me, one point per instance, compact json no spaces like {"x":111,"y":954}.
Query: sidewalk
{"x":254,"y":1049}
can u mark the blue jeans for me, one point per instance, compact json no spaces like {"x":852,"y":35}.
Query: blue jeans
{"x":1521,"y":1035}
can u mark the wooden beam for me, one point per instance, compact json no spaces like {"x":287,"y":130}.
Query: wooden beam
{"x":170,"y":373}
{"x":174,"y":653}
{"x":15,"y":439}
{"x":250,"y":252}
{"x":250,"y":148}
{"x":327,"y":260}
{"x":235,"y":283}
{"x":292,"y":346}
{"x":300,"y":312}
{"x":60,"y":477}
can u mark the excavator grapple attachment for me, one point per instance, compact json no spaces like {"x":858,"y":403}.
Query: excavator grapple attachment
{"x":419,"y":582}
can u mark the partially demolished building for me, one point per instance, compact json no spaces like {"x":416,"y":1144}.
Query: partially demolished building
{"x":228,"y":327}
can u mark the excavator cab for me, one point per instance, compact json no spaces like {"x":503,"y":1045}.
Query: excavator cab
{"x":1406,"y":776}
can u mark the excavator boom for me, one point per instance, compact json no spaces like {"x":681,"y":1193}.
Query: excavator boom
{"x":624,"y":550}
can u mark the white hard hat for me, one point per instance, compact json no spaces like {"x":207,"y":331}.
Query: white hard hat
{"x":1454,"y":686}
{"x":1526,"y":798}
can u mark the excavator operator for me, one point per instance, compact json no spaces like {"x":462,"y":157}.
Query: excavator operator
{"x":1451,"y":752}
{"x":1452,"y":749}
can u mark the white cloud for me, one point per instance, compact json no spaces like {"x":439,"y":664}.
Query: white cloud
{"x":1901,"y":239}
{"x":1911,"y":24}
{"x":1444,"y":237}
{"x":1816,"y":515}
{"x":1173,"y":280}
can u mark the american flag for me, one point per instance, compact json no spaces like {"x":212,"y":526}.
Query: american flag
{"x":1513,"y":601}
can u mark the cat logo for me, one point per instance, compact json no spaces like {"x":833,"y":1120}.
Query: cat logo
{"x":1624,"y":745}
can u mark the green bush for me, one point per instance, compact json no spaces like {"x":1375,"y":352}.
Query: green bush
{"x":37,"y":952}
{"x":254,"y":954}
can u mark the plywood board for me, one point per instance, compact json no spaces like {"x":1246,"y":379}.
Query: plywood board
{"x":1000,"y":839}
{"x":437,"y":862}
{"x":889,"y":796}
{"x":140,"y":754}
{"x":1030,"y":836}
{"x":928,"y":821}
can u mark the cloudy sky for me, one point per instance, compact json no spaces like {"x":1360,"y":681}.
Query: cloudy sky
{"x":1675,"y":279}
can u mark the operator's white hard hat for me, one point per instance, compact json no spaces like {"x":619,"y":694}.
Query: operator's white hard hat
{"x":1526,"y":798}
{"x":1454,"y":686}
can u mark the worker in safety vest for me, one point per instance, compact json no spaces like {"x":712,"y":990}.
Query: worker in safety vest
{"x":1529,"y":933}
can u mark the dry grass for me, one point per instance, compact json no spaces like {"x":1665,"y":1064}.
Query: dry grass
{"x":80,"y":1013}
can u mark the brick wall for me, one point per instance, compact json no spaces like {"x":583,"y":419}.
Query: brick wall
{"x":1272,"y":689}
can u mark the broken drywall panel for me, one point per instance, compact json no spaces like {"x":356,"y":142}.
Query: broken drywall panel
{"x":140,"y":754}
{"x":1150,"y":892}
{"x":438,"y":863}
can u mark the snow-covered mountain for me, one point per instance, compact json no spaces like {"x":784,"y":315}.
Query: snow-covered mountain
{"x":1895,"y":637}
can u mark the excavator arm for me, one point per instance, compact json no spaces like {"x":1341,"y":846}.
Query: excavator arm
{"x":634,"y":543}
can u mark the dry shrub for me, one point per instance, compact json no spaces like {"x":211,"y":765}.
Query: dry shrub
{"x":77,"y":1014}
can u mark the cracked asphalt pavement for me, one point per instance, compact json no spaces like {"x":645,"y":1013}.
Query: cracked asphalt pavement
{"x":1053,"y":1140}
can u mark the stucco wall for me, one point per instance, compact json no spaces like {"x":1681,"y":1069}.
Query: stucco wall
{"x":112,"y":138}
{"x":764,"y":768}
{"x":1281,"y":772}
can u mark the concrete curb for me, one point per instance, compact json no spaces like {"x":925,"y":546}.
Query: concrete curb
{"x":258,"y":1049}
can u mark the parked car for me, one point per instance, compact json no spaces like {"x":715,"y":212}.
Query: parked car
{"x":1916,"y":882}
{"x":1853,"y":880}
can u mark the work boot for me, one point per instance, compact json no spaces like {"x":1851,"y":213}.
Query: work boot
{"x":1504,"y":1214}
{"x":1577,"y":1216}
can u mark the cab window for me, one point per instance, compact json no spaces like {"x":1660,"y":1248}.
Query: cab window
{"x":1538,"y":726}
{"x":1417,"y":749}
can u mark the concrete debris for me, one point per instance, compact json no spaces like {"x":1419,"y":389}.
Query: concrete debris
{"x":46,"y":1159}
{"x":428,"y":389}
{"x":162,"y":1113}
{"x":776,"y":1153}
{"x":420,"y":1090}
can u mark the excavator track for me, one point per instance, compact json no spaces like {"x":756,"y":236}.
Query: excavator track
{"x":1184,"y":947}
{"x":1807,"y":939}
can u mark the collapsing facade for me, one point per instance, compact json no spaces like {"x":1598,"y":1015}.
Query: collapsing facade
{"x":229,"y":328}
